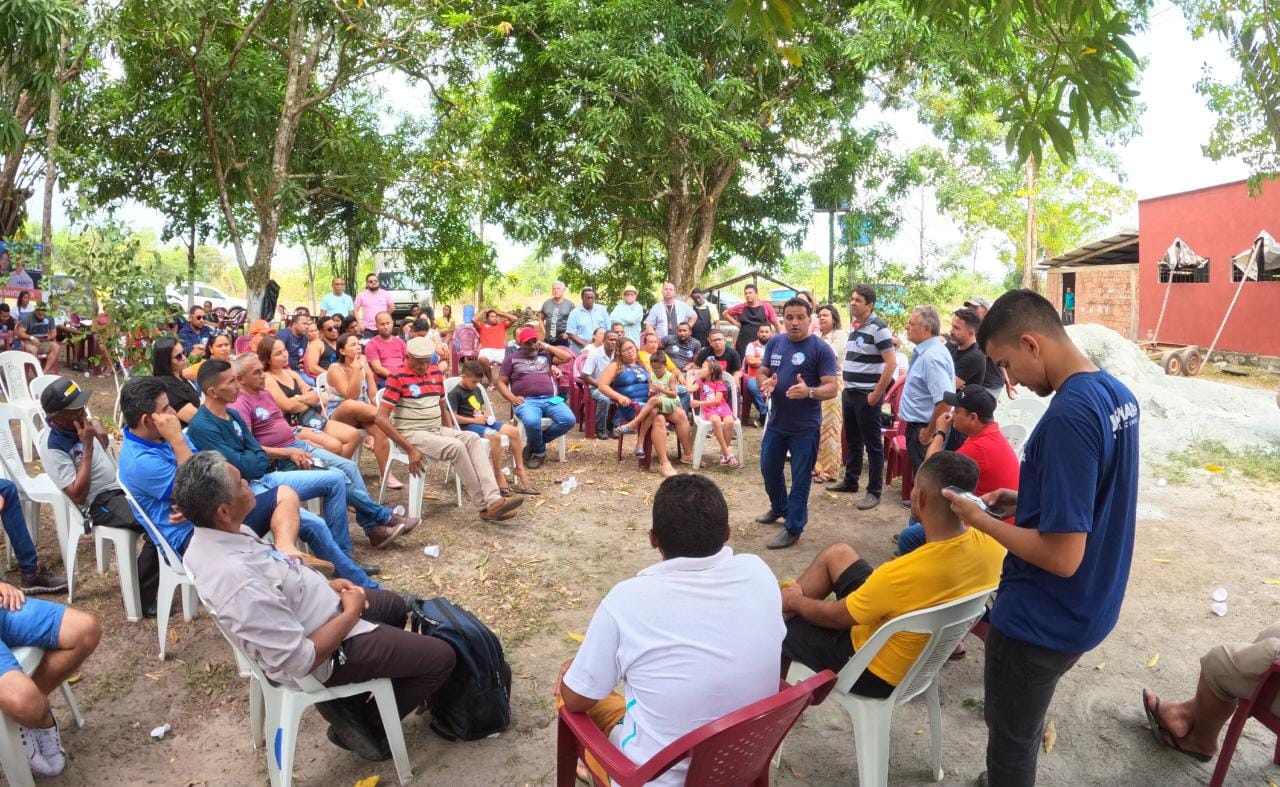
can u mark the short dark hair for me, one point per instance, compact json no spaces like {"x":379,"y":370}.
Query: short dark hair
{"x":947,"y":468}
{"x":193,"y":310}
{"x":746,"y":287}
{"x":421,"y":324}
{"x":798,"y":301}
{"x":968,"y":317}
{"x":690,"y":516}
{"x":210,"y":371}
{"x":835,"y":313}
{"x":201,"y":485}
{"x":472,"y":368}
{"x":297,"y":317}
{"x":867,"y":292}
{"x":138,"y":398}
{"x":1018,"y":312}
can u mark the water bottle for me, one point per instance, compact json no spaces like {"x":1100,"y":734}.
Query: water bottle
{"x":564,"y":487}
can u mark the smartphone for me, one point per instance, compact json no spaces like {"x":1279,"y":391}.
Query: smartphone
{"x":998,"y":513}
{"x":319,"y":463}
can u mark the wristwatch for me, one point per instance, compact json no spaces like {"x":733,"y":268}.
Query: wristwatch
{"x":810,"y":393}
{"x":939,"y":433}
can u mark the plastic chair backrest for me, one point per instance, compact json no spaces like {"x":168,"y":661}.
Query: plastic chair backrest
{"x":468,"y":340}
{"x":946,"y":624}
{"x":13,"y":370}
{"x":894,"y":395}
{"x":1016,"y":434}
{"x":244,"y":344}
{"x":1022,"y":411}
{"x":579,"y":362}
{"x":322,"y":384}
{"x":40,"y":383}
{"x":11,"y":458}
{"x":452,"y":382}
{"x":167,"y":553}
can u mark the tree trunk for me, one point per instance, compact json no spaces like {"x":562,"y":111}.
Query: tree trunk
{"x":191,"y":266}
{"x":51,"y":166}
{"x":311,"y":277}
{"x":1029,"y":279}
{"x":696,"y":216}
{"x":479,"y":270}
{"x":13,"y":200}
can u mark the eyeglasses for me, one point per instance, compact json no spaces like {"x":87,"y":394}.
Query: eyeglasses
{"x":195,"y":317}
{"x":331,"y":329}
{"x":178,"y":356}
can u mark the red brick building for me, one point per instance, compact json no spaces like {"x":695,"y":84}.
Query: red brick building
{"x":1121,"y":283}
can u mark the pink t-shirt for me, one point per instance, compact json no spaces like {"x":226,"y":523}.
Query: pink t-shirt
{"x":370,"y":303}
{"x":265,"y":418}
{"x":389,"y":352}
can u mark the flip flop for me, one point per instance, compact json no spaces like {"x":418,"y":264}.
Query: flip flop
{"x":1162,"y":735}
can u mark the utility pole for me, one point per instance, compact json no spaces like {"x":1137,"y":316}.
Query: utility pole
{"x":1029,"y":280}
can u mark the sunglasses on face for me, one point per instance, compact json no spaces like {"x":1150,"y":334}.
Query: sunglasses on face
{"x":179,"y":356}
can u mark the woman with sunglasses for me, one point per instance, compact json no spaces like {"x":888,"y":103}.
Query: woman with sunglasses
{"x":167,"y":364}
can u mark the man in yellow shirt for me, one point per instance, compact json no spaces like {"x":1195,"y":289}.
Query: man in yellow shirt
{"x":955,"y":561}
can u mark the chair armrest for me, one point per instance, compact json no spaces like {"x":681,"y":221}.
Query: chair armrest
{"x":597,"y":744}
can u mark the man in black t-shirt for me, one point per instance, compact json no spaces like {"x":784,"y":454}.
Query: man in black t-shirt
{"x":970,"y":361}
{"x":730,"y":360}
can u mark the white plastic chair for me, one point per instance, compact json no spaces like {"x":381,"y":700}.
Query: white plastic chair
{"x":322,"y":386}
{"x":14,"y":365}
{"x":1016,"y":434}
{"x":1025,"y":411}
{"x":452,"y":383}
{"x":13,"y":757}
{"x":946,"y":624}
{"x":40,"y":383}
{"x":704,"y":427}
{"x":35,"y":490}
{"x":173,"y":575}
{"x":561,"y":442}
{"x":279,"y":709}
{"x":417,"y":483}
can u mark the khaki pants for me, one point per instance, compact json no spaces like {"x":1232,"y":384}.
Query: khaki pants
{"x":1232,"y":671}
{"x":469,"y":454}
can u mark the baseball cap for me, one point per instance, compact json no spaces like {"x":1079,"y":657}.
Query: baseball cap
{"x":421,"y":347}
{"x":526,"y":334}
{"x":63,"y":394}
{"x":975,"y":302}
{"x":975,"y":399}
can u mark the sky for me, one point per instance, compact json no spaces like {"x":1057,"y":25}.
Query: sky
{"x":1164,"y":158}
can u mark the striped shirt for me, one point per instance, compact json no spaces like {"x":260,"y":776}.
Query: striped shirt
{"x":863,"y":362}
{"x":414,"y":399}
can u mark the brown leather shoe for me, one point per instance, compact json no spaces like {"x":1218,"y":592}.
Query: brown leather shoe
{"x":382,"y":535}
{"x":409,"y":523}
{"x":502,"y":509}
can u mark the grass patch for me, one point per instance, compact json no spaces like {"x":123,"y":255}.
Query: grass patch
{"x":1255,"y":463}
{"x":210,"y":679}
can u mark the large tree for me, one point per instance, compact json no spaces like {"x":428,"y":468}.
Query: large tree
{"x":259,"y":75}
{"x":666,"y":120}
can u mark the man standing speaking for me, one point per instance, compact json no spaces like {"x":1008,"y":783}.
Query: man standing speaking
{"x":797,"y":372}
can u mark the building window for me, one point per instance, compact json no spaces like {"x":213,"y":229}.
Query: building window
{"x":1264,"y":275}
{"x":1197,"y":275}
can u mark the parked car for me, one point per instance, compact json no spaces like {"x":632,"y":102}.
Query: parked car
{"x":202,"y":291}
{"x":406,"y":291}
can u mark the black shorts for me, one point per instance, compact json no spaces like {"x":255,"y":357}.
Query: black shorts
{"x":821,"y":648}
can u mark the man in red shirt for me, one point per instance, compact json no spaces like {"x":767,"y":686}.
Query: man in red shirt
{"x":385,"y":352}
{"x":492,"y":326}
{"x":985,"y":444}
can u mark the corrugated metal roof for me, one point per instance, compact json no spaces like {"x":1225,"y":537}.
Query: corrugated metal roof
{"x":1119,"y":249}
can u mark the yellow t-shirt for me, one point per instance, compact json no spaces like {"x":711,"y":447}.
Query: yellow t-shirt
{"x":644,"y":359}
{"x":937,"y":572}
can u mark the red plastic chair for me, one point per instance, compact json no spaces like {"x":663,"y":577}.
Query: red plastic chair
{"x":733,"y":750}
{"x":579,"y":396}
{"x":1259,"y":707}
{"x":896,"y":461}
{"x":467,"y":340}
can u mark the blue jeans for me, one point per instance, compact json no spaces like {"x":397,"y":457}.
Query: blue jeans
{"x":313,"y":532}
{"x":329,"y":484}
{"x":369,"y":514}
{"x":602,"y":411}
{"x":753,"y":388}
{"x":531,"y":413}
{"x":911,"y":537}
{"x":15,"y":527}
{"x":773,"y":458}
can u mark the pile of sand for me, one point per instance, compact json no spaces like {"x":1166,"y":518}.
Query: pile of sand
{"x":1178,"y":411}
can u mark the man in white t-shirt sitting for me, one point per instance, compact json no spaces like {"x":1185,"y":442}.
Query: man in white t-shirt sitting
{"x":751,"y":359}
{"x":691,"y":638}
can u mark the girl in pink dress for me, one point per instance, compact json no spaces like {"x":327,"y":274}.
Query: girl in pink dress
{"x":715,"y":408}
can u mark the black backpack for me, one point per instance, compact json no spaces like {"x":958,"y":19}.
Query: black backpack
{"x":475,"y":702}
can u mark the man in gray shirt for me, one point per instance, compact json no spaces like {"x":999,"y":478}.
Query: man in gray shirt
{"x":555,"y":316}
{"x":74,"y":453}
{"x":292,"y":622}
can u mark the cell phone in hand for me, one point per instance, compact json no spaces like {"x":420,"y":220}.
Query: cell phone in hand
{"x":998,"y":513}
{"x":318,"y":463}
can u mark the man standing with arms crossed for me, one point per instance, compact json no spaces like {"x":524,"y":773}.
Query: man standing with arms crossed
{"x":869,"y":363}
{"x":372,"y":302}
{"x":1071,"y":548}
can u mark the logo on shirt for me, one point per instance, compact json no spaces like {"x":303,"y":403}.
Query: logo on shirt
{"x":775,"y":360}
{"x":797,"y":359}
{"x":261,"y":414}
{"x":236,"y":426}
{"x":1125,"y":416}
{"x":415,"y":391}
{"x":540,"y":362}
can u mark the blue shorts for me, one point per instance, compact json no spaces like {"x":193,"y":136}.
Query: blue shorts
{"x":480,"y":429}
{"x":35,"y":625}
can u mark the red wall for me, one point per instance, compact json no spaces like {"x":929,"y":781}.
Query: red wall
{"x":1217,"y":222}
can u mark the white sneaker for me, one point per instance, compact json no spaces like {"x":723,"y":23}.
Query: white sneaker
{"x":50,"y":743}
{"x":31,"y":745}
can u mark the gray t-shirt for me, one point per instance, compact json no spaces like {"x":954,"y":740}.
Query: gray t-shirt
{"x":61,"y":465}
{"x":36,"y":327}
{"x":556,"y":317}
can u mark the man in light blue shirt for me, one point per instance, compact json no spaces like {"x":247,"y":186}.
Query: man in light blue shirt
{"x":667,"y":313}
{"x":930,"y":377}
{"x":629,"y":313}
{"x":337,"y":302}
{"x":584,"y":320}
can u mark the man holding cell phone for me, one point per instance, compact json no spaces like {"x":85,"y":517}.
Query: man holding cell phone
{"x":1072,"y":543}
{"x":525,"y":380}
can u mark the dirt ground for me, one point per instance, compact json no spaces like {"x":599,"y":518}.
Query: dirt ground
{"x":537,"y":579}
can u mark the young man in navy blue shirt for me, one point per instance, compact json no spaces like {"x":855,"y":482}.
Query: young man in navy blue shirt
{"x":1069,"y":554}
{"x":797,"y":372}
